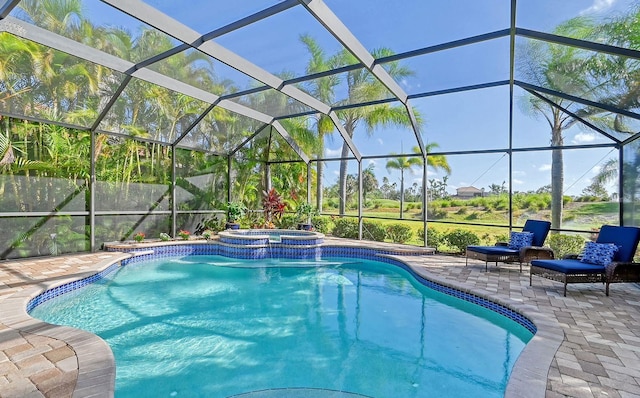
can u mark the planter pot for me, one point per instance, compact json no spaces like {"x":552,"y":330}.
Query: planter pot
{"x":305,"y":227}
{"x":232,"y":225}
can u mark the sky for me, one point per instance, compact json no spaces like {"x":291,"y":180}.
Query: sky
{"x":476,"y":119}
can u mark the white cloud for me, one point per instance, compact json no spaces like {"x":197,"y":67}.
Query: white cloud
{"x":372,"y":162}
{"x":328,"y":152}
{"x":544,"y":167}
{"x":583,"y":138}
{"x":380,"y":141}
{"x":598,"y":6}
{"x":519,"y":173}
{"x":517,"y":182}
{"x":596,"y":169}
{"x":336,"y":172}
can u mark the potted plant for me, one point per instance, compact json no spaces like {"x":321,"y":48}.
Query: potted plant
{"x":235,"y":211}
{"x":273,"y":207}
{"x":164,"y":237}
{"x":184,"y":234}
{"x":138,"y":237}
{"x":305,"y":211}
{"x":208,"y":234}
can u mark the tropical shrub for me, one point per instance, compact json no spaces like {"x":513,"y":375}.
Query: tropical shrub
{"x":322,"y":224}
{"x":346,"y":227}
{"x":399,"y":233}
{"x":288,"y":221}
{"x":373,"y":230}
{"x":565,"y":244}
{"x":434,"y":237}
{"x":460,"y":239}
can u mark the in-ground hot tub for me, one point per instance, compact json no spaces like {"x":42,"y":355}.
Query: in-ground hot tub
{"x":253,"y":237}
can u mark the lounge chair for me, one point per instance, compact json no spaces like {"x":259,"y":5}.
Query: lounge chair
{"x":505,"y":252}
{"x":617,"y":266}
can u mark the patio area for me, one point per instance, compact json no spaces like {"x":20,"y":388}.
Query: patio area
{"x":599,"y":356}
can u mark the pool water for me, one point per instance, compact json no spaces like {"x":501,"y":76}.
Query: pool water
{"x":211,"y":326}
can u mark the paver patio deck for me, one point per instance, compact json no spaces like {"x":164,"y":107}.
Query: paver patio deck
{"x":599,"y":356}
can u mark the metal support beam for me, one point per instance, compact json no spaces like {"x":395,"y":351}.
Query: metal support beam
{"x":6,"y":9}
{"x":292,"y":143}
{"x":92,"y":194}
{"x":174,"y":205}
{"x":360,"y":199}
{"x":309,"y":182}
{"x":425,"y":202}
{"x":584,"y":44}
{"x":577,"y":99}
{"x":345,"y":136}
{"x":60,"y":43}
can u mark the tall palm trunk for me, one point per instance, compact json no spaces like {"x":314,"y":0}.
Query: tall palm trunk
{"x":401,"y":194}
{"x":557,"y":178}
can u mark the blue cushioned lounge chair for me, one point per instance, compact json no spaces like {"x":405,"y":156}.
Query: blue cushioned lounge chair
{"x":502,"y":253}
{"x":571,"y":270}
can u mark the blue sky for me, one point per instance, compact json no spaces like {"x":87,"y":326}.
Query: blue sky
{"x":463,"y":121}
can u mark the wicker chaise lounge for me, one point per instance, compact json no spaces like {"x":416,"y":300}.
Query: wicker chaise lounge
{"x":574,"y":268}
{"x":502,"y":252}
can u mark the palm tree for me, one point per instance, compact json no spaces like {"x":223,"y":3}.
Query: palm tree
{"x":402,"y":163}
{"x":563,"y":69}
{"x":364,"y":87}
{"x":323,"y":90}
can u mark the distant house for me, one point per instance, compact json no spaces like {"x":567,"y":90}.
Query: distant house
{"x":469,"y":192}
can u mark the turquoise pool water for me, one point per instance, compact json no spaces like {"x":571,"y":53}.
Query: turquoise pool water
{"x":211,"y":326}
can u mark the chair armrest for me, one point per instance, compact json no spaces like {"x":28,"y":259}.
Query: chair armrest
{"x":571,"y":257}
{"x":502,"y":244}
{"x":529,"y":253}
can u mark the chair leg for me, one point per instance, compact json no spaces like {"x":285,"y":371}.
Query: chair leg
{"x":606,"y":289}
{"x":486,"y":266}
{"x":466,"y":261}
{"x":530,"y":277}
{"x":565,"y":287}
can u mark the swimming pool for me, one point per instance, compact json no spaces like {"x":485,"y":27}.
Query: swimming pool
{"x":215,"y":326}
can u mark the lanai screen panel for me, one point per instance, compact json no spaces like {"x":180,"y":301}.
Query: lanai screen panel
{"x":466,"y":120}
{"x":43,"y":83}
{"x":415,"y":24}
{"x":281,"y":44}
{"x":202,"y":71}
{"x":472,"y":64}
{"x":149,"y":111}
{"x":198,"y":15}
{"x":394,"y":136}
{"x":272,"y":102}
{"x":355,"y":86}
{"x":570,"y":18}
{"x":103,"y":28}
{"x":221,"y":131}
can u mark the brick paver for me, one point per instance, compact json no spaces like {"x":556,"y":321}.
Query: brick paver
{"x":599,"y":355}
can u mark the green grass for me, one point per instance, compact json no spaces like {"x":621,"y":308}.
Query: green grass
{"x":580,"y":215}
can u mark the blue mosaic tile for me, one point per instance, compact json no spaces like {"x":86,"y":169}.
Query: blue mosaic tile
{"x":261,"y":249}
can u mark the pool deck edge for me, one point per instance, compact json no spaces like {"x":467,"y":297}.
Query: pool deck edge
{"x":95,"y":362}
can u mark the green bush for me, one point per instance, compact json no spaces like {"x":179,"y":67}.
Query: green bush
{"x":434,"y":237}
{"x":322,"y":224}
{"x":565,"y":244}
{"x":460,"y":239}
{"x":373,"y":230}
{"x":346,"y":228}
{"x":462,"y":211}
{"x":288,"y":221}
{"x":399,"y":233}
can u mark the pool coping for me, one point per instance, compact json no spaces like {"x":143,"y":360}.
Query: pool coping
{"x":96,"y":363}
